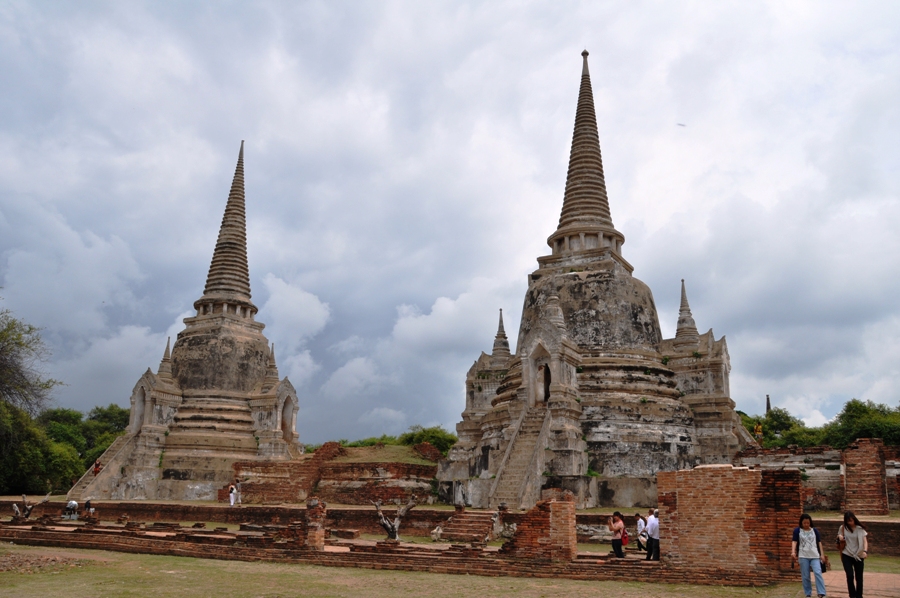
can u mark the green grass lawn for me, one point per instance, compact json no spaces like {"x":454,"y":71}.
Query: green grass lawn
{"x":100,"y":573}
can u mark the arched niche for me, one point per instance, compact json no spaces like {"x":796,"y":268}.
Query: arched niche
{"x":539,"y":375}
{"x":287,"y":419}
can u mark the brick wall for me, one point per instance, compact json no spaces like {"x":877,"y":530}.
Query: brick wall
{"x":360,"y":483}
{"x":822,"y":484}
{"x":342,"y":483}
{"x":282,"y":481}
{"x":728,"y":518}
{"x":546,"y":532}
{"x":865,"y":489}
{"x":823,"y":473}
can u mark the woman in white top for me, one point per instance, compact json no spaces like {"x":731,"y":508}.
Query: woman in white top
{"x":806,"y":546}
{"x":856,"y":549}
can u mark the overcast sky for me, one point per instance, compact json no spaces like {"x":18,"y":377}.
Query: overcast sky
{"x":406,"y":162}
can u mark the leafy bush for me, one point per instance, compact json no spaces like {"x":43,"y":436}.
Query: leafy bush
{"x":437,"y":436}
{"x":383,"y":439}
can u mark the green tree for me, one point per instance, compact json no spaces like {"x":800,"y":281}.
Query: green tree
{"x":115,"y":418}
{"x":30,"y":462}
{"x":22,"y":351}
{"x":860,"y":419}
{"x":70,"y":435}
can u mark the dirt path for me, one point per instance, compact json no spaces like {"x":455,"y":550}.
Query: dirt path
{"x":875,"y":585}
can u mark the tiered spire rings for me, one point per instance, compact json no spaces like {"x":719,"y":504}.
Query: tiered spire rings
{"x":228,"y":282}
{"x":585,"y":222}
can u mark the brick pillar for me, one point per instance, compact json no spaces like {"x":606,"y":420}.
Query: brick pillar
{"x":546,"y":532}
{"x":865,"y":487}
{"x":315,"y":524}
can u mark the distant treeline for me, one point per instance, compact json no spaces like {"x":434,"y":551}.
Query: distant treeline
{"x":46,"y":453}
{"x":857,"y":419}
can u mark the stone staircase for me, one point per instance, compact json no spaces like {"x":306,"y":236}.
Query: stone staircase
{"x":107,"y":458}
{"x":469,"y":526}
{"x":514,"y":473}
{"x":213,"y":424}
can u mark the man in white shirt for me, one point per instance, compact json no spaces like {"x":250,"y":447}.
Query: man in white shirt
{"x":653,"y":535}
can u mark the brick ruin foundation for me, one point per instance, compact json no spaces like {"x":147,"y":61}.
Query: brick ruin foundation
{"x":336,"y":482}
{"x":862,"y":478}
{"x":720,"y":525}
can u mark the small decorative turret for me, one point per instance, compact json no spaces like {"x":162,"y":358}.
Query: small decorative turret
{"x":271,"y":380}
{"x":165,"y":366}
{"x":686,"y":334}
{"x":501,"y":343}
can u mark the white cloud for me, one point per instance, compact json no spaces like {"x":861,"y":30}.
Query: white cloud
{"x":354,"y":380}
{"x":815,"y":419}
{"x":292,"y":314}
{"x":390,"y":420}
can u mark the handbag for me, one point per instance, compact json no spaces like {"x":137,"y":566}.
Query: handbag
{"x":841,"y":542}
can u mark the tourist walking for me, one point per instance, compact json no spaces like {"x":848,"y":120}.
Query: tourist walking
{"x":806,"y":547}
{"x":616,"y":526}
{"x":231,"y":493}
{"x":641,"y":531}
{"x":653,"y":535}
{"x":237,"y":491}
{"x":854,"y":550}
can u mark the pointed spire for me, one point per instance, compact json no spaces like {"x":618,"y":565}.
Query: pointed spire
{"x":686,"y":330}
{"x":585,"y":222}
{"x":271,"y":380}
{"x":165,"y":366}
{"x":229,"y":276}
{"x":501,"y":343}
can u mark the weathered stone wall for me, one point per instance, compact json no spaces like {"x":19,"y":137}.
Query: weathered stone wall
{"x":728,"y":518}
{"x":546,"y":532}
{"x":865,"y":490}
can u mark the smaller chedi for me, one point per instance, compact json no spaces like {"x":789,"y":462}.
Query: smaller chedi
{"x":216,"y":397}
{"x":593,"y":400}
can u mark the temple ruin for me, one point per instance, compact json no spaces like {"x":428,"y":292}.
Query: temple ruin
{"x":216,"y":397}
{"x":594,"y":400}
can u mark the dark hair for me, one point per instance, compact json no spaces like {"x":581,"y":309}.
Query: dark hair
{"x":805,"y":516}
{"x":617,"y":514}
{"x":848,"y":516}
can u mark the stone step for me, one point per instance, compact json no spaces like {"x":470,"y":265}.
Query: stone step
{"x":212,"y":426}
